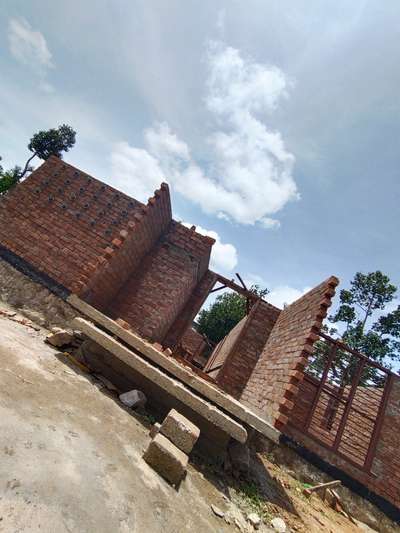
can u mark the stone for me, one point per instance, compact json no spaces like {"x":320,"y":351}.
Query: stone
{"x":239,"y":524}
{"x":166,"y":459}
{"x":133,"y":398}
{"x":59,"y":337}
{"x":155,"y":428}
{"x":217,"y":511}
{"x":35,"y":316}
{"x":79,"y":335}
{"x":278,"y":525}
{"x":239,"y":456}
{"x":180,"y":431}
{"x":254,"y":520}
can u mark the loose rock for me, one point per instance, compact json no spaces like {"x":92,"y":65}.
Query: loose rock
{"x":254,"y":520}
{"x":133,"y":398}
{"x":217,"y":511}
{"x":59,"y":337}
{"x":278,"y":525}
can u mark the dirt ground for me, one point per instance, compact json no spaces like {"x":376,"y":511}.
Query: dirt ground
{"x":71,"y":461}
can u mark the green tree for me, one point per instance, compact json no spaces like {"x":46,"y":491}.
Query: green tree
{"x":223,"y":315}
{"x":43,"y":144}
{"x":377,"y":338}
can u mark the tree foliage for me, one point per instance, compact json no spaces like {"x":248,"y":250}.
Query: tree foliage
{"x":223,"y":315}
{"x":42,"y":144}
{"x":365,"y":327}
{"x":52,"y":142}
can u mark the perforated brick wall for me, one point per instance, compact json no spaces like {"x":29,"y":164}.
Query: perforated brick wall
{"x":61,"y":219}
{"x":273,"y":384}
{"x":123,"y":257}
{"x":102,"y":279}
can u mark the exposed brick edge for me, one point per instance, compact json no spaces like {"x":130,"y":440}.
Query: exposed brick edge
{"x":361,"y":489}
{"x":93,"y":271}
{"x":32,"y":273}
{"x":297,"y":374}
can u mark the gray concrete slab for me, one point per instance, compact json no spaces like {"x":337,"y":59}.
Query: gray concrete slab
{"x":175,"y":388}
{"x":201,"y":386}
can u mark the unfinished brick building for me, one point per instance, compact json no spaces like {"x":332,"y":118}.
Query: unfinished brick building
{"x":132,"y":261}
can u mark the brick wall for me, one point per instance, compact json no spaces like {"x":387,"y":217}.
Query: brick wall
{"x":185,"y":318}
{"x":156,"y":293}
{"x":191,"y":344}
{"x":243,"y":354}
{"x":103,"y":279}
{"x":223,"y":349}
{"x":386,"y":464}
{"x":273,"y":384}
{"x":61,"y":219}
{"x":109,"y":248}
{"x":328,"y":414}
{"x":384,"y":477}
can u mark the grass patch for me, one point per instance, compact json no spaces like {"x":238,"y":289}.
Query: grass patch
{"x":252,"y":496}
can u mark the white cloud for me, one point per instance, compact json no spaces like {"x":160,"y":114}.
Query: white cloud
{"x":135,"y":171}
{"x":29,"y":47}
{"x":280,"y":295}
{"x":249,"y":175}
{"x":224,"y":256}
{"x":284,"y":295}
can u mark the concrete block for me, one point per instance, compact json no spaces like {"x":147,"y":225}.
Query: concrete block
{"x":166,"y":459}
{"x":180,"y":431}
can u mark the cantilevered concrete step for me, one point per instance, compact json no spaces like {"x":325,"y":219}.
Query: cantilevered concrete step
{"x":172,"y":386}
{"x":183,"y":374}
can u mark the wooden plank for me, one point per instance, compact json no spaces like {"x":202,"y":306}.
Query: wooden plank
{"x":322,"y":486}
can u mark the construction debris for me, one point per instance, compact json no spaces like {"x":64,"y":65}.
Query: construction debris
{"x":321,"y":487}
{"x":59,"y":337}
{"x":133,"y":399}
{"x":279,"y":525}
{"x":217,"y":511}
{"x":254,"y":520}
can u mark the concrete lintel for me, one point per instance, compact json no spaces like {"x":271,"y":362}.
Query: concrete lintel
{"x":196,"y":383}
{"x":208,"y":411}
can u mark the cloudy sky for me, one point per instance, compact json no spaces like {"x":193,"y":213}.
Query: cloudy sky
{"x":277,"y":125}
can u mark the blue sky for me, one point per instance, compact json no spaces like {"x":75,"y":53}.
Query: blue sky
{"x":276,"y":126}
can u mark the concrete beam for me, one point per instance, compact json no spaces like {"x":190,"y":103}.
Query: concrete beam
{"x":173,"y":387}
{"x":184,"y":374}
